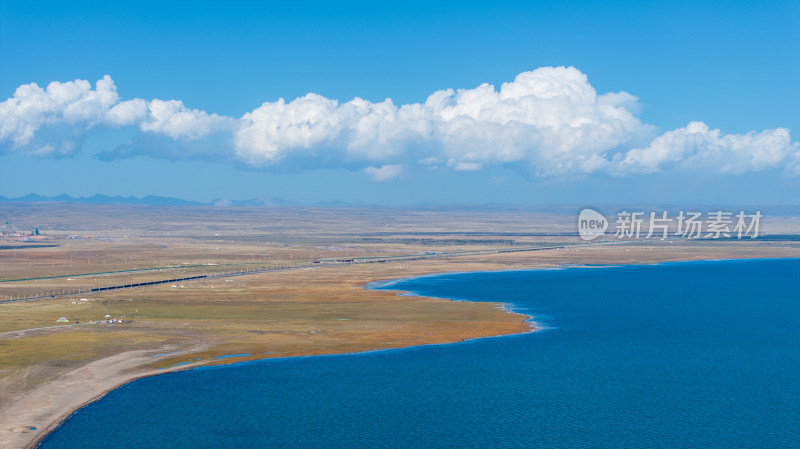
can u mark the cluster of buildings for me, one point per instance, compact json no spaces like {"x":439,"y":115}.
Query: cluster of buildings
{"x":107,"y":319}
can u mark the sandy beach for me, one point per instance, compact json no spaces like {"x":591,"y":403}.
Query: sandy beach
{"x":27,"y":419}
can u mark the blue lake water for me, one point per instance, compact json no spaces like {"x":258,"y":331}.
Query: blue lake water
{"x":696,"y":354}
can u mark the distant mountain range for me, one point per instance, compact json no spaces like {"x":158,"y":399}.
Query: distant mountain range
{"x":153,"y":200}
{"x":150,"y":200}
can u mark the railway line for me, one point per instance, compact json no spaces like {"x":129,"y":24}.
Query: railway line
{"x":314,"y":264}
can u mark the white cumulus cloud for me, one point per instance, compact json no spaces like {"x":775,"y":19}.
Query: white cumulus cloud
{"x":550,"y":120}
{"x":384,"y":173}
{"x":176,"y":121}
{"x":68,"y":108}
{"x":56,"y":119}
{"x":697,"y":146}
{"x":546,"y":122}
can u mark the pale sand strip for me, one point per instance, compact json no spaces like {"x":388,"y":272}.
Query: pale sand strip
{"x":48,"y":405}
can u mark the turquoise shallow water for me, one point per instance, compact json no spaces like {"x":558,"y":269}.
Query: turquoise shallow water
{"x":698,"y":354}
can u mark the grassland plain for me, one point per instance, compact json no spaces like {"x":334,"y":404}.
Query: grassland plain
{"x":48,"y":369}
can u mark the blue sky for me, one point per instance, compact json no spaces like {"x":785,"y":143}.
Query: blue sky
{"x":710,"y":113}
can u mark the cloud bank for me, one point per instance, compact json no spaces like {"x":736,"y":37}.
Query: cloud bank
{"x":548,"y":122}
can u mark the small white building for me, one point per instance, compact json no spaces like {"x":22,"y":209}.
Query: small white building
{"x":62,"y":320}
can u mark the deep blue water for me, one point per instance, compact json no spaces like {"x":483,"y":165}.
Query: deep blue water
{"x":699,"y":354}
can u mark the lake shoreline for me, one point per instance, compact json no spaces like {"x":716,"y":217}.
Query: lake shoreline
{"x":43,"y":432}
{"x":46,"y":405}
{"x":110,"y":376}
